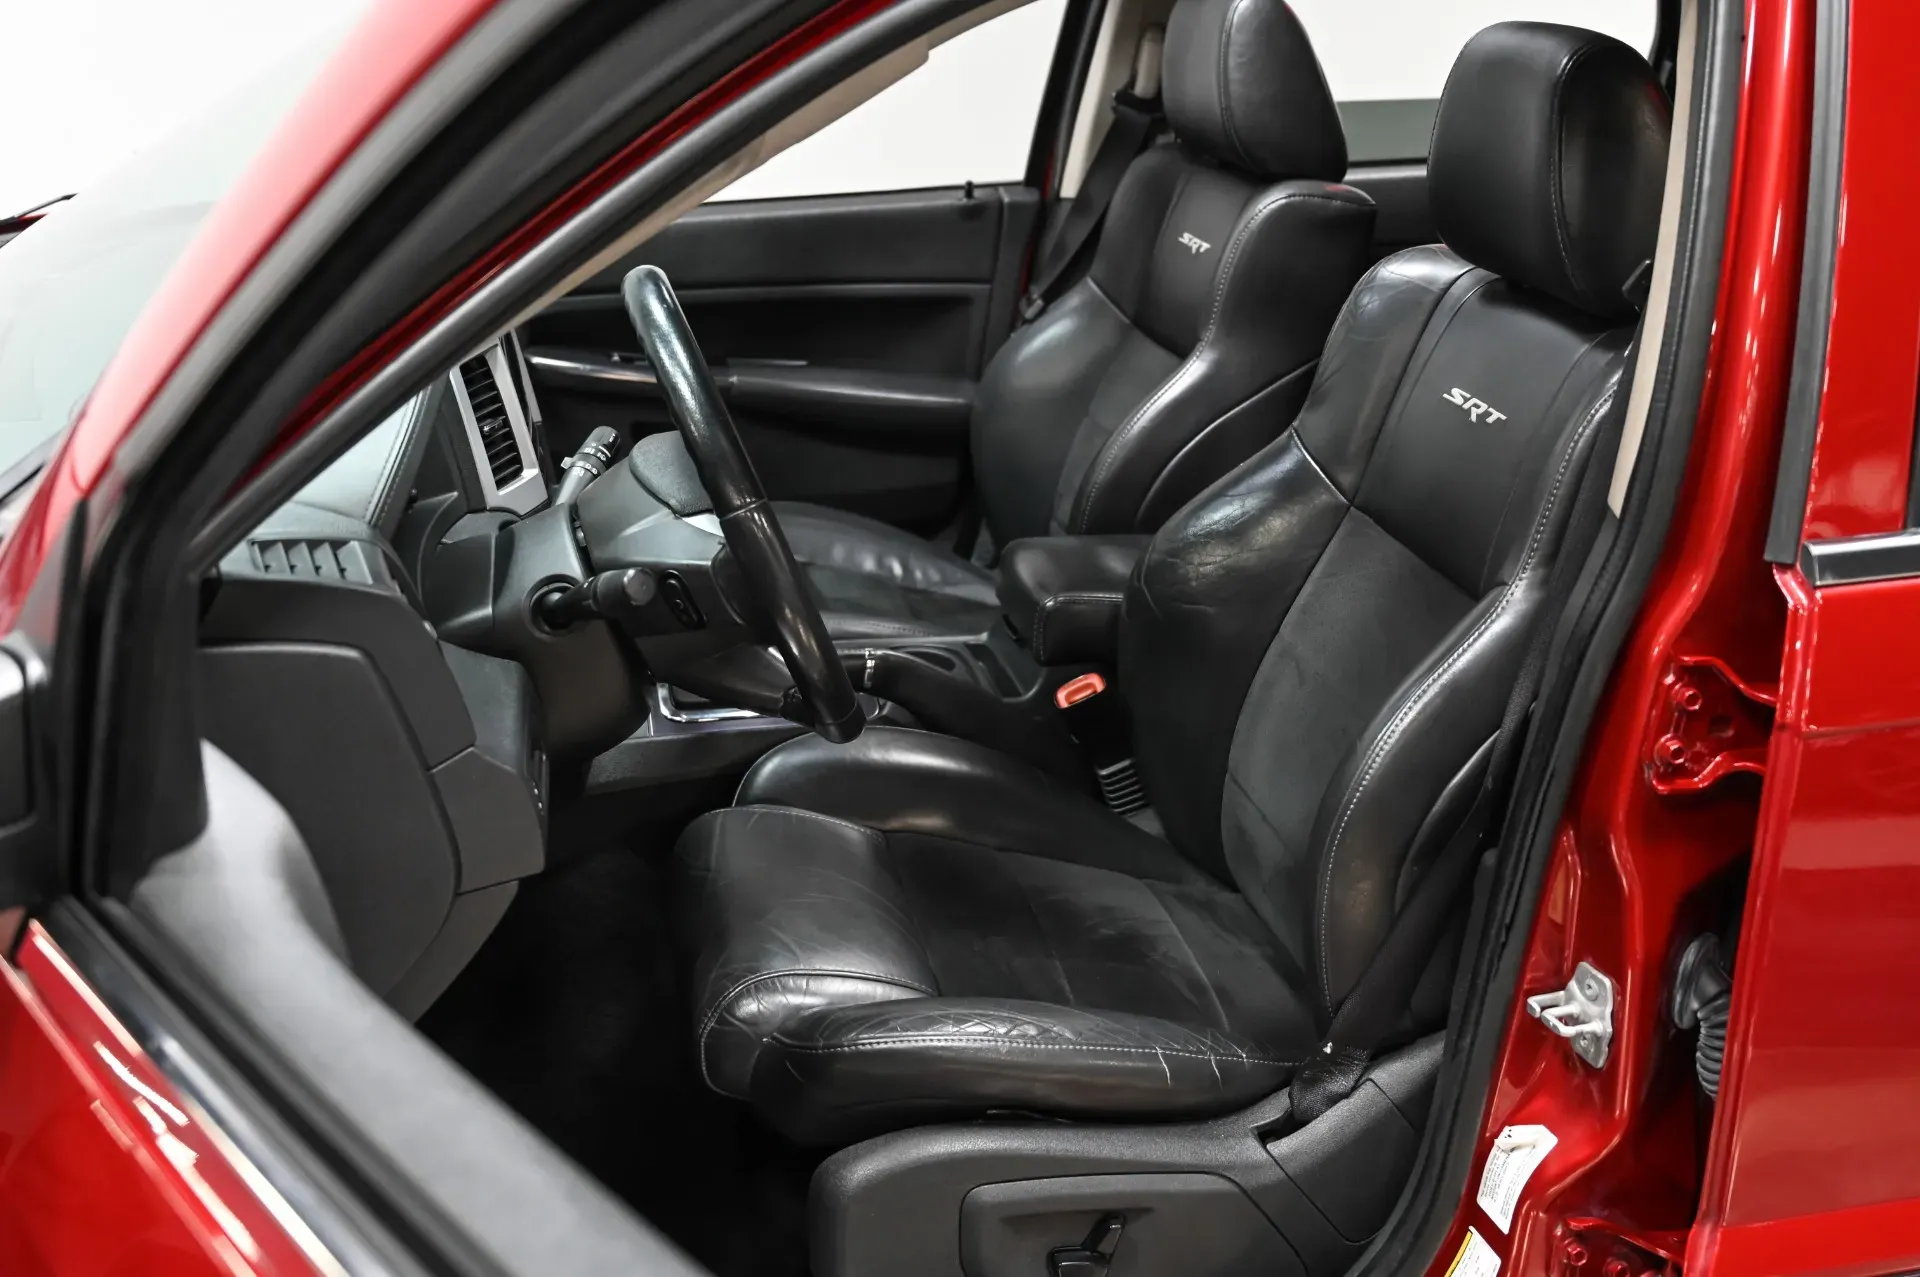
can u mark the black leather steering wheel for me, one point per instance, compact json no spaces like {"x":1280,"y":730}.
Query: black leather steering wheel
{"x":753,"y":534}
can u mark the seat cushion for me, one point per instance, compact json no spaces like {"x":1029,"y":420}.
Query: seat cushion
{"x":858,"y":974}
{"x":874,"y":580}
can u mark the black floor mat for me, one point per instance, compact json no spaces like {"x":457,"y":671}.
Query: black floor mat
{"x":573,"y":1015}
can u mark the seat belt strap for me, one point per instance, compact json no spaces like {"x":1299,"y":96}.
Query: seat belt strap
{"x":1136,"y":119}
{"x":1371,"y":1011}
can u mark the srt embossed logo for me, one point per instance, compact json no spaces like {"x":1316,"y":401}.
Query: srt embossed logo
{"x":1476,"y":408}
{"x":1193,"y":243}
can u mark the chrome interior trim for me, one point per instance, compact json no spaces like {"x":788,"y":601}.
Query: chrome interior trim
{"x":1882,"y":556}
{"x":663,"y":703}
{"x":615,"y":373}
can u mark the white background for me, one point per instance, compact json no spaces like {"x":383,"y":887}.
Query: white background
{"x":86,"y":83}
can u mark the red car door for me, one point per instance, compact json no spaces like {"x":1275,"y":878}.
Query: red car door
{"x":1814,"y":1160}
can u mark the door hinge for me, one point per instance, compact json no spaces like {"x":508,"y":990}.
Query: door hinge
{"x":1592,"y":1247}
{"x":1708,"y":723}
{"x":1582,"y":1013}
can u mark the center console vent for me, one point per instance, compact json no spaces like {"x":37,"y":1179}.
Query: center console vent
{"x":490,"y":417}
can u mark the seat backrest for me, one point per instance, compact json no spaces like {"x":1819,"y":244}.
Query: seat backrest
{"x":1318,"y":650}
{"x":1190,"y":342}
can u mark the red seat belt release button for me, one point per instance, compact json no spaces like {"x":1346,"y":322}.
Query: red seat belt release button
{"x":1075,"y":690}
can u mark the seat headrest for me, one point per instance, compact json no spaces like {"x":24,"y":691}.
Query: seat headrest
{"x":1240,"y":82}
{"x":1549,"y":155}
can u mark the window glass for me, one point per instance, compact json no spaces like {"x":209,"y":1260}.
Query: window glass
{"x":73,"y":283}
{"x":1387,"y":60}
{"x":967,"y":115}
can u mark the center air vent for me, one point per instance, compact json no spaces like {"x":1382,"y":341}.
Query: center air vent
{"x":314,"y":560}
{"x":490,"y":415}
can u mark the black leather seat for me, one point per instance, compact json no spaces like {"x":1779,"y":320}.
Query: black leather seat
{"x":1316,"y":652}
{"x":1187,"y":347}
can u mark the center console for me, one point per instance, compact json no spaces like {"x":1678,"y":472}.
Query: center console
{"x":688,"y":737}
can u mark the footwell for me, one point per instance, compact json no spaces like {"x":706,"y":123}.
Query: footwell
{"x":573,"y":1015}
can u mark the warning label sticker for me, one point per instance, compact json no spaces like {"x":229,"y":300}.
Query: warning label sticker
{"x":1476,"y":1258}
{"x":1517,"y":1153}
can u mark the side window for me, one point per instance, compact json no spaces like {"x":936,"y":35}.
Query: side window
{"x":1387,"y":60}
{"x":966,"y":115}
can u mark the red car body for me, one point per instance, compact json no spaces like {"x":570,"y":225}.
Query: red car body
{"x":1812,"y":1160}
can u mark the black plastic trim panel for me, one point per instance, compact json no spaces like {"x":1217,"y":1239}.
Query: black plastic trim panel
{"x":877,"y":238}
{"x":856,"y":399}
{"x":1851,"y":560}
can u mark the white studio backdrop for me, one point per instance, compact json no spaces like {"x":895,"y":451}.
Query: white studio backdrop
{"x":84,"y":84}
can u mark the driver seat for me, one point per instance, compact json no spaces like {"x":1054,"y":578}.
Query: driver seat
{"x":1316,"y":652}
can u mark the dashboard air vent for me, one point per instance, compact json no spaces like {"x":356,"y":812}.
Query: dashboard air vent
{"x":315,"y":560}
{"x":490,"y":415}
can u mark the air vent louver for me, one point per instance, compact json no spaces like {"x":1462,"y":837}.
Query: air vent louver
{"x":314,"y":560}
{"x":490,"y":414}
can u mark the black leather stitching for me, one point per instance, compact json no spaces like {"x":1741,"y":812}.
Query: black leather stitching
{"x":1023,"y":1044}
{"x":1110,"y":450}
{"x":1047,"y":604}
{"x":1557,"y":210}
{"x":721,"y":1003}
{"x":866,"y":831}
{"x":1407,"y":709}
{"x":1220,"y":87}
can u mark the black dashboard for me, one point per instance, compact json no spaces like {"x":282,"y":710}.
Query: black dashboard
{"x":416,"y":768}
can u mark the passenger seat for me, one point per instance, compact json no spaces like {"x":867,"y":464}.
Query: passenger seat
{"x":1189,"y":344}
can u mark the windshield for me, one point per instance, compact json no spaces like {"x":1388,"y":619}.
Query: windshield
{"x":72,"y":284}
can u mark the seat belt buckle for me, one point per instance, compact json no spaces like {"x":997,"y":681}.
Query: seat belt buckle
{"x":1096,"y":718}
{"x":1031,"y":304}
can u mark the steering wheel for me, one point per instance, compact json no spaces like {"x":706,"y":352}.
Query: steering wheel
{"x":753,"y":534}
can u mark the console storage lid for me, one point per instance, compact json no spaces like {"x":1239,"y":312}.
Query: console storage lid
{"x":1062,"y":595}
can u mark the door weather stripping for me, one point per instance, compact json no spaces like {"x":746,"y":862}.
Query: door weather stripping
{"x":1582,"y":1013}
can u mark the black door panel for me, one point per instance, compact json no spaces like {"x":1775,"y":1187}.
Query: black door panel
{"x":905,"y":327}
{"x":846,"y":331}
{"x":925,"y":236}
{"x":883,"y":402}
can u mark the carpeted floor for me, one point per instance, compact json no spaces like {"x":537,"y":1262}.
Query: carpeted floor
{"x":573,"y":1014}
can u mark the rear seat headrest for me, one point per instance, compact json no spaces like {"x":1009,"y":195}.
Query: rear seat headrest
{"x":1241,"y":83}
{"x":1549,"y":154}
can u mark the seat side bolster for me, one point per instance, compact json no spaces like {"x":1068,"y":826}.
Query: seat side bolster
{"x":785,"y":911}
{"x":839,"y":1073}
{"x":1283,"y":277}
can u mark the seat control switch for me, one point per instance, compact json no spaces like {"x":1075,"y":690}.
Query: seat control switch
{"x":1092,"y":1256}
